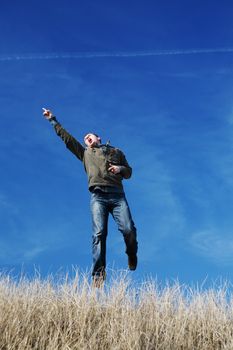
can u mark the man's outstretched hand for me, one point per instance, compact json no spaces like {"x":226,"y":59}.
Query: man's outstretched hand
{"x":47,"y":113}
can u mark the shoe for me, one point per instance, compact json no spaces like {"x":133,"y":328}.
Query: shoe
{"x":132,"y":262}
{"x":98,"y":280}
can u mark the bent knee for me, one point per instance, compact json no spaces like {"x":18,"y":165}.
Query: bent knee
{"x":129,"y":231}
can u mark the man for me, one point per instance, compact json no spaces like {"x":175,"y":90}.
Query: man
{"x":106,"y":167}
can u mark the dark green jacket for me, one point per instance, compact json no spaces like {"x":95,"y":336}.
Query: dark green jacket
{"x":97,"y":160}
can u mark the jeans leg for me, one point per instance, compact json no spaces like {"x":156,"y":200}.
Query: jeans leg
{"x":100,"y":214}
{"x":122,"y":215}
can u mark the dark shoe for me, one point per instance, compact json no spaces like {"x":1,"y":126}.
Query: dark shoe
{"x":132,"y":262}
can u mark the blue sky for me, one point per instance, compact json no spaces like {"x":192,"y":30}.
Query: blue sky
{"x":169,"y":110}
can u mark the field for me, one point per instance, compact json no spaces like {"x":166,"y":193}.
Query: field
{"x":68,"y":313}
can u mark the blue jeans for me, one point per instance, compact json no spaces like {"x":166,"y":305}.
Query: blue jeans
{"x":102,"y":204}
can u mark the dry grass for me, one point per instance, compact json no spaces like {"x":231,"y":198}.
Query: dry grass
{"x":70,"y":314}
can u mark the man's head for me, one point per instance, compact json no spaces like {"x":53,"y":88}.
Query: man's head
{"x":91,"y":140}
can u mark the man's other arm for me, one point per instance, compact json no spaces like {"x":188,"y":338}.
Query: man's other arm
{"x":71,"y":143}
{"x":124,"y":169}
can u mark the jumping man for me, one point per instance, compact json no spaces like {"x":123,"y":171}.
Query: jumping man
{"x":106,"y":167}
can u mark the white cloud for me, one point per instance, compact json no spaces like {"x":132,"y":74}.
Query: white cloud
{"x":9,"y":254}
{"x":105,"y":54}
{"x":34,"y":251}
{"x":214,"y":245}
{"x":22,"y":239}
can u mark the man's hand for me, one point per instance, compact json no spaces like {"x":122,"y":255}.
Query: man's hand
{"x":115,"y":169}
{"x":47,"y":113}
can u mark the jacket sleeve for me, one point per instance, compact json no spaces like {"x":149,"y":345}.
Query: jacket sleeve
{"x":71,"y":143}
{"x":126,"y":170}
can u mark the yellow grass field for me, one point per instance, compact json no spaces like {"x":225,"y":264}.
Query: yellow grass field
{"x":70,"y":314}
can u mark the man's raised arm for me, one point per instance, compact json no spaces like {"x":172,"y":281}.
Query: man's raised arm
{"x":71,"y":143}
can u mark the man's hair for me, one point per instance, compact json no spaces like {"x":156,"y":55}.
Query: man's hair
{"x":97,"y":136}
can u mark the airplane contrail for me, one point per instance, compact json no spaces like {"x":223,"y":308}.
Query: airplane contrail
{"x":80,"y":55}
